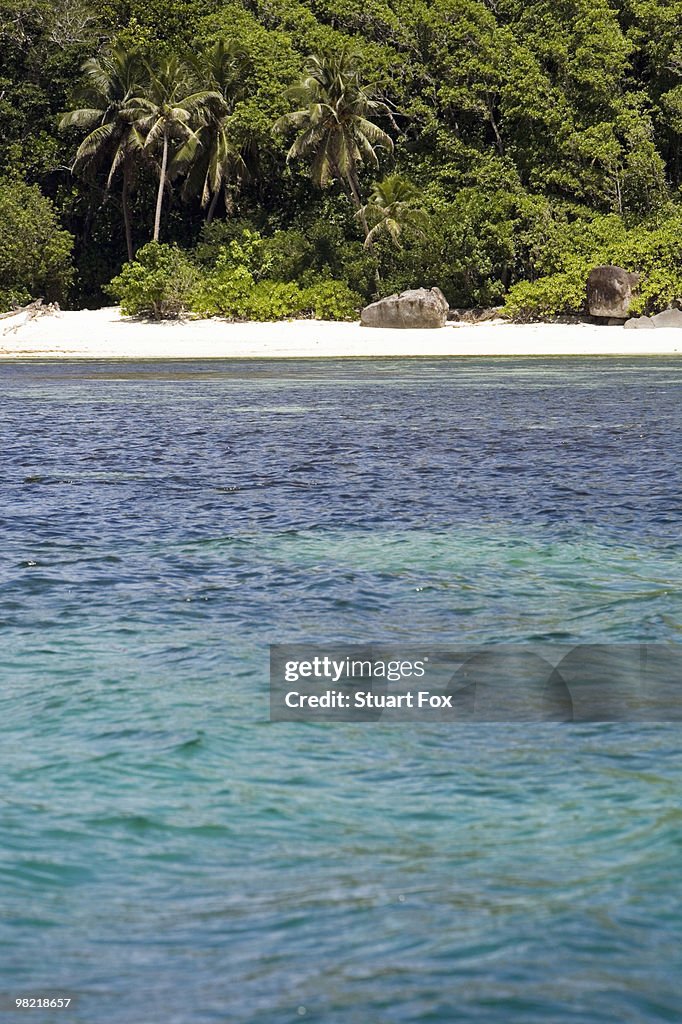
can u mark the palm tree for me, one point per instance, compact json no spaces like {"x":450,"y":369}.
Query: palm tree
{"x":168,"y":113}
{"x":391,"y":209}
{"x":334,"y":121}
{"x":110,"y":82}
{"x":214,"y":158}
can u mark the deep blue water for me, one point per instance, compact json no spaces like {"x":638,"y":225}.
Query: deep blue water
{"x":167,"y":855}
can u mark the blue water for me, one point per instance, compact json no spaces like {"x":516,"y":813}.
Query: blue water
{"x":167,"y":855}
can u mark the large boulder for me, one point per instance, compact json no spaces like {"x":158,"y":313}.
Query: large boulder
{"x":639,"y":323}
{"x":610,"y":290}
{"x":419,"y":307}
{"x":668,"y":318}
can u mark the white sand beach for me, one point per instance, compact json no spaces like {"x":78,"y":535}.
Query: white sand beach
{"x":104,"y":334}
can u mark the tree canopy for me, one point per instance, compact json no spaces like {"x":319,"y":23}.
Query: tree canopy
{"x":521,"y":127}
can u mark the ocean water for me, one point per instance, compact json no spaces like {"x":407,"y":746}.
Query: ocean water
{"x":168,"y":855}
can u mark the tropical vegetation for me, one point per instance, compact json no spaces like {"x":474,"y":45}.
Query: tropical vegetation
{"x":300,"y":158}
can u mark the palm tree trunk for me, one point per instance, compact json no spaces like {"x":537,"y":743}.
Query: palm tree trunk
{"x":358,"y":204}
{"x":162,"y":185}
{"x":211,"y":210}
{"x":125,"y":201}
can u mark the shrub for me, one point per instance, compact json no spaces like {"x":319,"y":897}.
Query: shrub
{"x":318,"y":252}
{"x":289,"y":254}
{"x":35,"y":253}
{"x":549,"y":297}
{"x":237,"y":297}
{"x":224,"y":292}
{"x":160,"y":282}
{"x":216,"y":237}
{"x":232,"y":290}
{"x":331,"y":300}
{"x":273,"y":300}
{"x":655,"y":250}
{"x":652,"y":248}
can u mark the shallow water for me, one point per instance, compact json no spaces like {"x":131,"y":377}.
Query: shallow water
{"x":167,"y":854}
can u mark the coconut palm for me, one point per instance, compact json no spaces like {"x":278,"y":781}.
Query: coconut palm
{"x":110,"y":82}
{"x":334,"y":121}
{"x":214,"y":158}
{"x":167,"y":114}
{"x":392,"y":208}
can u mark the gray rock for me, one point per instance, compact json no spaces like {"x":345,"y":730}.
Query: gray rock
{"x":438,"y":293}
{"x":668,"y":318}
{"x":610,"y":290}
{"x":639,"y":323}
{"x":616,"y":321}
{"x":419,"y":307}
{"x":478,"y":315}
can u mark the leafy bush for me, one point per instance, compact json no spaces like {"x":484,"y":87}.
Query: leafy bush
{"x":475,"y":245}
{"x":160,"y":282}
{"x":547,"y":298}
{"x":216,"y":237}
{"x":289,"y":255}
{"x":318,"y":252}
{"x":35,"y":254}
{"x":223,"y":292}
{"x":235,"y":295}
{"x":331,"y":300}
{"x":654,"y":249}
{"x":273,"y":300}
{"x":232,"y":289}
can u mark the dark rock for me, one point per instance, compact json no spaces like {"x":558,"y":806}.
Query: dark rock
{"x":419,"y":307}
{"x":610,"y":290}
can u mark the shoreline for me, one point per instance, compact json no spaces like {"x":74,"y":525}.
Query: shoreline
{"x":104,"y":334}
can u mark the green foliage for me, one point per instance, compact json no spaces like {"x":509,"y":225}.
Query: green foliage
{"x":522,"y":126}
{"x":246,"y":251}
{"x":653,"y":248}
{"x":336,"y":120}
{"x":238,"y":297}
{"x":273,"y":61}
{"x":331,"y":300}
{"x":555,"y":295}
{"x":475,"y":246}
{"x":35,"y":253}
{"x":159,"y":283}
{"x":395,"y":207}
{"x":238,"y":288}
{"x":225,"y":292}
{"x":42,"y":45}
{"x":217,"y":236}
{"x":319,"y":253}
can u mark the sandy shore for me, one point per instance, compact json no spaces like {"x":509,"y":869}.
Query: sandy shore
{"x":104,"y":334}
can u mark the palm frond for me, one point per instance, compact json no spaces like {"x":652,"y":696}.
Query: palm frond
{"x":94,"y":144}
{"x":373,"y":133}
{"x":86,"y":117}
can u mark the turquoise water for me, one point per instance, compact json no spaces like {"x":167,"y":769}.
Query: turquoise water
{"x":168,"y":855}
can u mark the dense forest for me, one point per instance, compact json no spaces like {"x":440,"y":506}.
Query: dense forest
{"x":295,"y":157}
